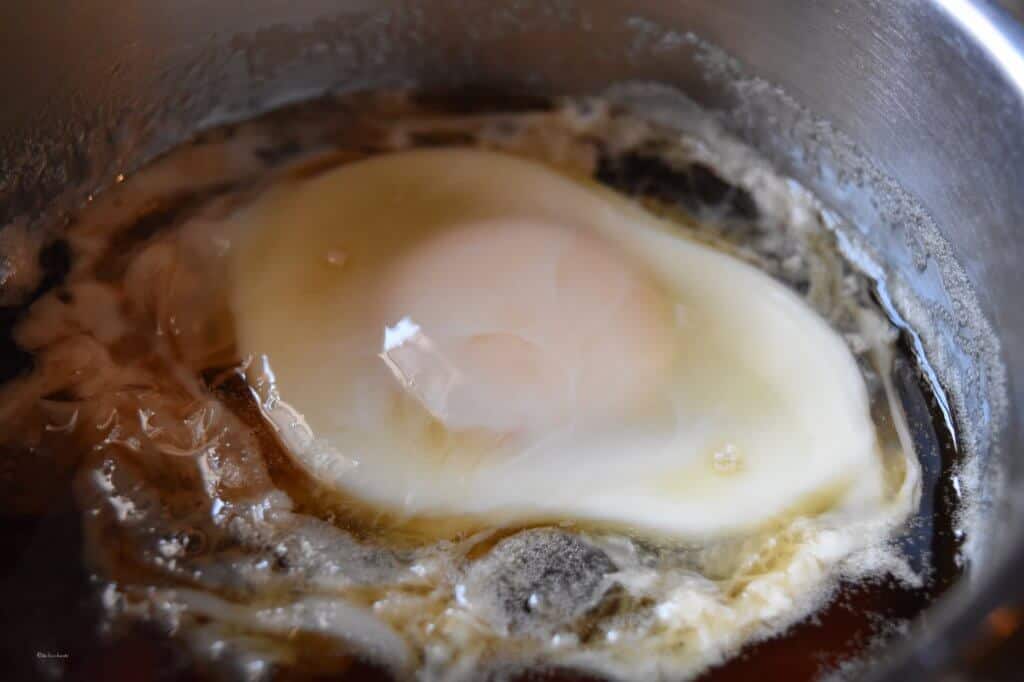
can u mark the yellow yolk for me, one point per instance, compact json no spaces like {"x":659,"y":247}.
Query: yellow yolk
{"x":515,"y":325}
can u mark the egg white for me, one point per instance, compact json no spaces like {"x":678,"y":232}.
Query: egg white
{"x":664,"y":385}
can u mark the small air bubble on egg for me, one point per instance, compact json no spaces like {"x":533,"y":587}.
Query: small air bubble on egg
{"x":727,"y":460}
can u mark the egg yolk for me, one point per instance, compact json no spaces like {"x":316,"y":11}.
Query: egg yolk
{"x":514,"y":325}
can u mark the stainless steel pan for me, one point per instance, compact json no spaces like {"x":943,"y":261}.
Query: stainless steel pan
{"x":906,"y":117}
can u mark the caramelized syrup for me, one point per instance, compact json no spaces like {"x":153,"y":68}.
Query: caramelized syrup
{"x":50,"y":597}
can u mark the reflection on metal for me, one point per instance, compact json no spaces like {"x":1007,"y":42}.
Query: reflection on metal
{"x":1004,"y":622}
{"x":995,"y":39}
{"x":994,"y":654}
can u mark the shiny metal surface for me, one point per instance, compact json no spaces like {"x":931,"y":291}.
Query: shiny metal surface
{"x":929,"y":93}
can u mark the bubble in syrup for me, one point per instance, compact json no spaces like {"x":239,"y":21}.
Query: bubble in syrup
{"x":337,"y":258}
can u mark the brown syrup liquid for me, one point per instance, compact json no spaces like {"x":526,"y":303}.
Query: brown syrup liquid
{"x":48,"y":623}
